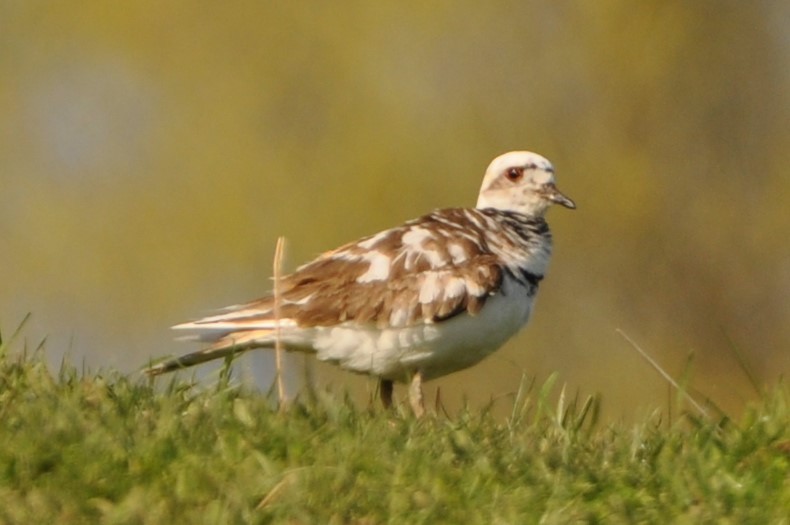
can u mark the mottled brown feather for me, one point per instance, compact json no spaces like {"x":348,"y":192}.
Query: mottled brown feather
{"x":327,"y":291}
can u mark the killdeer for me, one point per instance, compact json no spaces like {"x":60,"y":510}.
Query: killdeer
{"x":412,"y":303}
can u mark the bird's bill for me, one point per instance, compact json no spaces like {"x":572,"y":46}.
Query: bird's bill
{"x":554,"y":195}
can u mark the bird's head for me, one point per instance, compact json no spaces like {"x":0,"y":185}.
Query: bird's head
{"x":523,"y":182}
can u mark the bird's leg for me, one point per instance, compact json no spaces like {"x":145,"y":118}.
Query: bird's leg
{"x":385,"y":392}
{"x":415,"y":395}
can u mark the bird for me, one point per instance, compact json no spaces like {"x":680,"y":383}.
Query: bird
{"x":430,"y":297}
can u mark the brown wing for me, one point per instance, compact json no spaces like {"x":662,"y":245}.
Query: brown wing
{"x":438,"y":266}
{"x":429,"y":269}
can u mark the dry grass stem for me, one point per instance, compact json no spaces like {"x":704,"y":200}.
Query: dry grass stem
{"x":278,"y":350}
{"x":663,"y":373}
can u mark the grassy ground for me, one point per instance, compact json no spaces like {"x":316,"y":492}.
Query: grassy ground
{"x":106,"y":448}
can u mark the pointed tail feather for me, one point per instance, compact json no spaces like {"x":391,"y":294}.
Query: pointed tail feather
{"x":195,"y":358}
{"x":224,"y":344}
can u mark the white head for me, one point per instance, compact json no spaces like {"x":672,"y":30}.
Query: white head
{"x":523,"y":182}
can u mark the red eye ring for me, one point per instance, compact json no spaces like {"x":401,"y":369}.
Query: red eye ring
{"x":514,"y":174}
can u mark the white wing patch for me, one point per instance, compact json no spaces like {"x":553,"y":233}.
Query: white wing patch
{"x":431,"y":288}
{"x":400,"y":317}
{"x":456,"y":287}
{"x":457,"y":252}
{"x":415,"y":237}
{"x":304,"y":300}
{"x":373,"y":240}
{"x":379,"y":269}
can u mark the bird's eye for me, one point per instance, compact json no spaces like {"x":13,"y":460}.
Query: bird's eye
{"x":514,"y":174}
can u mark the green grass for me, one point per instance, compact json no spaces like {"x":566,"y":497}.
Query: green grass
{"x":107,"y":448}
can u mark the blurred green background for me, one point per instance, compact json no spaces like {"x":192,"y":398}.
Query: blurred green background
{"x":152,"y":152}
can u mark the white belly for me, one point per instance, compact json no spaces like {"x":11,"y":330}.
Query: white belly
{"x":436,"y":349}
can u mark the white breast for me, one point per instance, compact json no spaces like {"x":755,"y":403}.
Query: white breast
{"x":436,"y":349}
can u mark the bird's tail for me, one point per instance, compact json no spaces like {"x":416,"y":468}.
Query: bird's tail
{"x":195,"y":358}
{"x":240,"y":328}
{"x":223,"y":344}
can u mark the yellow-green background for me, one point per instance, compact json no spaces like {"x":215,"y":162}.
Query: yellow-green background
{"x":151,"y":152}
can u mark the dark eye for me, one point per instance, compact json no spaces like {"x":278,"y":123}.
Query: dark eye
{"x":514,"y":174}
